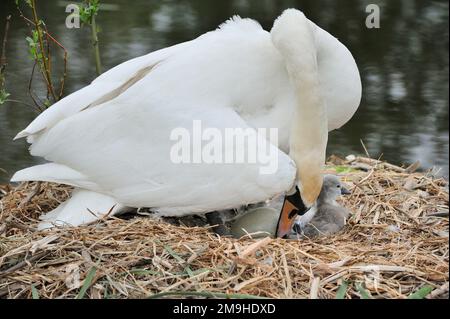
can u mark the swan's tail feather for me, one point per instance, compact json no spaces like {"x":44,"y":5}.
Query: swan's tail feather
{"x":54,"y":173}
{"x":82,"y":208}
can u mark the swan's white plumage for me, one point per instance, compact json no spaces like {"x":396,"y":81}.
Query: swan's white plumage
{"x":233,"y":77}
{"x":56,"y":173}
{"x":83,"y":207}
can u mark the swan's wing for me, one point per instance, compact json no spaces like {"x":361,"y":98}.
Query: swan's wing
{"x":132,"y":158}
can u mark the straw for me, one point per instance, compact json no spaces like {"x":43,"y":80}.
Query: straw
{"x":394,"y":246}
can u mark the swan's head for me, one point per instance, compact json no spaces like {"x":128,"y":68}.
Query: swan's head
{"x":332,"y":188}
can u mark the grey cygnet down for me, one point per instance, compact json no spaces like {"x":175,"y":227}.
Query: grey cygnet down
{"x":329,"y":217}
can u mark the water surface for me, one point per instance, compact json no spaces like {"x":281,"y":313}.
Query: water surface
{"x":404,"y":65}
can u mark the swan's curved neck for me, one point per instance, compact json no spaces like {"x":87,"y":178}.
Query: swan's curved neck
{"x":294,"y":38}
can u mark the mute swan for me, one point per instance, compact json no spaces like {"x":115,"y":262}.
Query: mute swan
{"x":111,"y":139}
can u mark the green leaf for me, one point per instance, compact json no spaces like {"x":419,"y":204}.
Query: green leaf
{"x":342,"y":292}
{"x":176,"y":257}
{"x":34,"y":292}
{"x":365,"y":294}
{"x":343,"y":169}
{"x":35,"y":36}
{"x":32,"y":46}
{"x":47,"y":103}
{"x":88,"y":10}
{"x":87,"y":283}
{"x":3,"y":96}
{"x":26,"y":1}
{"x":30,"y":41}
{"x":422,"y":293}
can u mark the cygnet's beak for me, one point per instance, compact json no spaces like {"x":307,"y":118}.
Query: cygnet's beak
{"x":345,"y":191}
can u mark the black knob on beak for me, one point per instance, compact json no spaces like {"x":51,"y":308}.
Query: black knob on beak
{"x":345,"y":191}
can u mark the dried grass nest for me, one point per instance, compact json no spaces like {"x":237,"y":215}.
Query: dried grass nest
{"x":394,"y":246}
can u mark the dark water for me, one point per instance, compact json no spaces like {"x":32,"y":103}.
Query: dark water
{"x":404,"y":64}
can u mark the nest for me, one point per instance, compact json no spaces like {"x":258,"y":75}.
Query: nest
{"x":394,"y":246}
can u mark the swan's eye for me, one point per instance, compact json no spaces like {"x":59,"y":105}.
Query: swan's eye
{"x":339,"y":186}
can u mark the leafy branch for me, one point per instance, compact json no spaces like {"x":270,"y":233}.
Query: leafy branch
{"x":39,"y":45}
{"x":42,"y":58}
{"x":88,"y":14}
{"x":3,"y":63}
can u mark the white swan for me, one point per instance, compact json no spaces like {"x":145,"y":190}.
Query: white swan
{"x":111,"y":139}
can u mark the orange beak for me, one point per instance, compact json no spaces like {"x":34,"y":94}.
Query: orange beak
{"x":292,"y":207}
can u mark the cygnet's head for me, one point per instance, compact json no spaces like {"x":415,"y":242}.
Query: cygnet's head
{"x":332,"y":188}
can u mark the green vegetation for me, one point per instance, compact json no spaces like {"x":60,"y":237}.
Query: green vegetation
{"x":422,"y":293}
{"x":40,"y":48}
{"x":342,"y":292}
{"x":40,"y":45}
{"x":87,"y":283}
{"x":343,"y":169}
{"x":34,"y":292}
{"x":88,"y":12}
{"x":363,"y":292}
{"x":3,"y":63}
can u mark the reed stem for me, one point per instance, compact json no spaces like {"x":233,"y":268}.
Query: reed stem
{"x":98,"y":62}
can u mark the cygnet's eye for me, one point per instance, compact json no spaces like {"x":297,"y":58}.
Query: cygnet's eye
{"x":339,"y":186}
